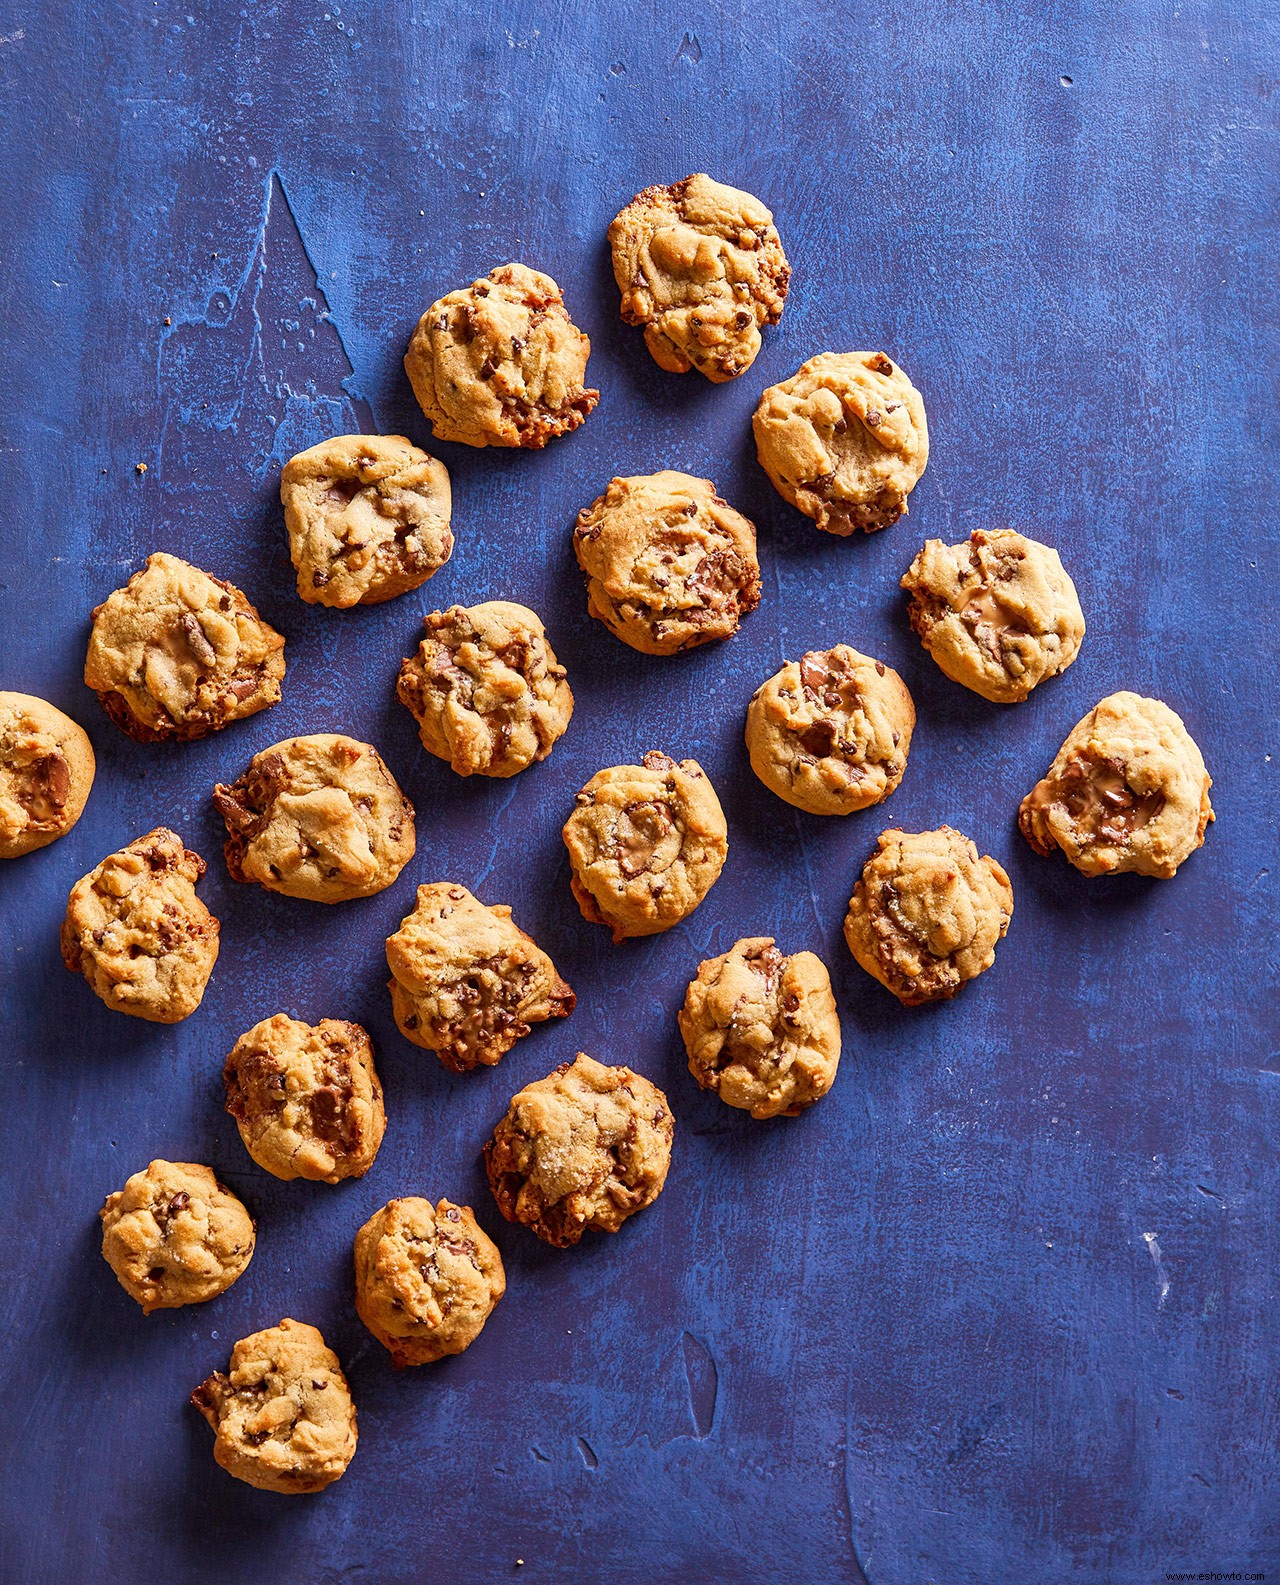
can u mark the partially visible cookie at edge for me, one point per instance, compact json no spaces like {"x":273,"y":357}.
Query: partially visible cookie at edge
{"x":367,"y":518}
{"x":486,"y":689}
{"x":700,"y":267}
{"x":998,"y":613}
{"x":844,"y":440}
{"x":136,"y":930}
{"x":669,"y":564}
{"x":177,"y":654}
{"x":318,"y":817}
{"x":1127,"y":791}
{"x":500,"y":363}
{"x":46,"y":771}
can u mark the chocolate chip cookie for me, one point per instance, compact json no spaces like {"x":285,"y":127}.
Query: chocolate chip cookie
{"x":368,"y":518}
{"x":830,"y":733}
{"x":318,"y":817}
{"x":427,"y":1279}
{"x":138,"y":933}
{"x":1127,"y":791}
{"x":306,"y":1098}
{"x":998,"y":614}
{"x":926,"y":914}
{"x":700,"y":266}
{"x":761,"y":1030}
{"x":46,"y":771}
{"x":586,"y":1147}
{"x":669,"y":565}
{"x":283,"y":1418}
{"x":174,"y":1235}
{"x":467,"y":982}
{"x":177,"y":654}
{"x":844,"y":440}
{"x":486,"y":689}
{"x":500,"y":363}
{"x":646,"y":844}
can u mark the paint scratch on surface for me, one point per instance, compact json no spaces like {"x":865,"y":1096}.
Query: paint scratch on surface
{"x":1157,"y":1260}
{"x":704,"y":1381}
{"x":587,"y":1453}
{"x":863,"y":1577}
{"x":690,"y":50}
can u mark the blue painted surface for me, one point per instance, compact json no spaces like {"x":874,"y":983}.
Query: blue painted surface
{"x":1001,"y":1308}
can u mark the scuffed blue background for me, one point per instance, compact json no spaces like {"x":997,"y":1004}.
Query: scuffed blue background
{"x":1002,"y":1308}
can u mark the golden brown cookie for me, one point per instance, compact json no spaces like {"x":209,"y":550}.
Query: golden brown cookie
{"x":998,"y":614}
{"x":926,"y":914}
{"x":1127,"y":791}
{"x":844,"y":440}
{"x":669,"y":565}
{"x":177,"y":654}
{"x":700,"y":266}
{"x":427,"y":1279}
{"x":500,"y":363}
{"x":646,"y":844}
{"x":368,"y":518}
{"x":306,"y":1098}
{"x":174,"y":1235}
{"x":283,"y":1418}
{"x":586,"y":1147}
{"x":761,"y":1030}
{"x":486,"y":689}
{"x":319,"y":817}
{"x":138,"y":933}
{"x":467,"y":982}
{"x":46,"y":771}
{"x":830,"y":733}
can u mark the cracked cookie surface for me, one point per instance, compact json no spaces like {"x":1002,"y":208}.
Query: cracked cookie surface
{"x":427,"y":1279}
{"x":306,"y":1098}
{"x":367,"y":518}
{"x":282,"y":1417}
{"x":1128,"y":790}
{"x":830,"y":733}
{"x":584,"y":1148}
{"x":761,"y":1030}
{"x":317,"y":817}
{"x":700,"y":267}
{"x":46,"y":771}
{"x":669,"y":564}
{"x":998,"y":613}
{"x":466,"y":981}
{"x":844,"y":440}
{"x":486,"y":689}
{"x":926,"y":913}
{"x":177,"y":654}
{"x":136,"y":930}
{"x":646,"y":844}
{"x":174,"y":1235}
{"x":500,"y":363}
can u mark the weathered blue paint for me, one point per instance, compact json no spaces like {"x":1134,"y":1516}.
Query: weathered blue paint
{"x":1002,"y":1308}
